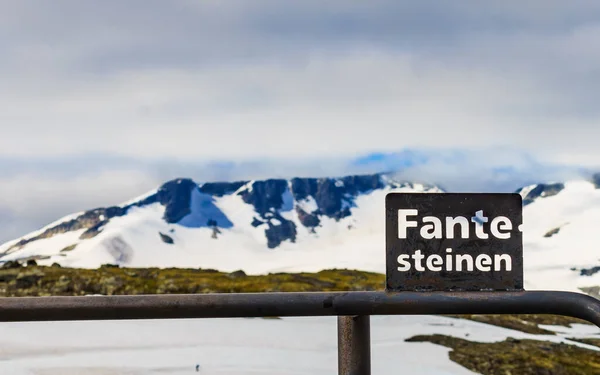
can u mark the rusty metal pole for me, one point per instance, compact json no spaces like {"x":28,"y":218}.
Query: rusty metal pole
{"x":354,"y":345}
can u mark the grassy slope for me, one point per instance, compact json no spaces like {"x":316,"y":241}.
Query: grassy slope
{"x":508,"y":357}
{"x":46,"y":281}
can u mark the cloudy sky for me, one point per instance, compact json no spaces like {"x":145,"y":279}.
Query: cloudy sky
{"x":102,"y":100}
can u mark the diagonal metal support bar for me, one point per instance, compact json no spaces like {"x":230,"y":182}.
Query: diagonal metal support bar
{"x":232,"y":305}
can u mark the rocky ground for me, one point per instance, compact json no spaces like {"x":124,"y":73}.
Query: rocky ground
{"x":521,"y":357}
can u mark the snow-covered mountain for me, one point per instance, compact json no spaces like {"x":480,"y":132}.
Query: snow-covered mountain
{"x":257,"y":226}
{"x":302,"y":224}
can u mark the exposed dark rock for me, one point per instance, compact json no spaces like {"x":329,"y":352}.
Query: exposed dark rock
{"x":302,"y":188}
{"x":31,"y":263}
{"x":90,"y":220}
{"x":215,"y":228}
{"x":267,"y":198}
{"x":215,"y":232}
{"x":552,"y":232}
{"x":28,"y":279}
{"x":276,"y":234}
{"x":355,"y":185}
{"x":334,"y":197}
{"x":35,"y":258}
{"x":329,"y":198}
{"x":151,"y":199}
{"x":589,"y":271}
{"x":237,"y":274}
{"x":596,"y":180}
{"x":56,"y":265}
{"x":265,"y":195}
{"x":68,"y":248}
{"x":93,"y":231}
{"x":256,"y":222}
{"x":219,"y":189}
{"x":175,"y":195}
{"x":308,"y":220}
{"x":543,"y":190}
{"x":166,"y":239}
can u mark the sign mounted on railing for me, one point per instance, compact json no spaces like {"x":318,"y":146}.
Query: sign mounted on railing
{"x":454,"y":242}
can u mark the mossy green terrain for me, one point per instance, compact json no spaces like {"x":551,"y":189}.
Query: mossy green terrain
{"x":518,"y":357}
{"x":36,"y":280}
{"x":510,"y":357}
{"x":524,"y":323}
{"x":108,"y":280}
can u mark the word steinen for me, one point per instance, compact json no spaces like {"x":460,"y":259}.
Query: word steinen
{"x":433,"y":228}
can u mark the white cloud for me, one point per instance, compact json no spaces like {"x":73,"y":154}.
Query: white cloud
{"x":238,"y":80}
{"x":35,"y":193}
{"x":334,"y":105}
{"x":100,"y":101}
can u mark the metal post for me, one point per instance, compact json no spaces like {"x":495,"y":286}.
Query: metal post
{"x":354,"y":345}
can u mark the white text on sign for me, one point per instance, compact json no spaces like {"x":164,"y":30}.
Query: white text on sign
{"x":433,"y":228}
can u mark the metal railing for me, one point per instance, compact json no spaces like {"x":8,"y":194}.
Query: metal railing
{"x":353,"y":310}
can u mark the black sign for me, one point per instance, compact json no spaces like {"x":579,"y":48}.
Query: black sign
{"x":454,"y":242}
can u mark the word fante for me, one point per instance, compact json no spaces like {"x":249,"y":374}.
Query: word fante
{"x":500,"y":226}
{"x":433,"y":228}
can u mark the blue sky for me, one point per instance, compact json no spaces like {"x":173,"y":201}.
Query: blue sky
{"x":102,"y":100}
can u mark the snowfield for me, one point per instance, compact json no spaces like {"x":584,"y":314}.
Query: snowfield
{"x":290,"y":346}
{"x":575,"y":212}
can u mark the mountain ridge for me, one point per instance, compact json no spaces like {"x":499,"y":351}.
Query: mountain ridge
{"x":323,"y":197}
{"x":295,"y":225}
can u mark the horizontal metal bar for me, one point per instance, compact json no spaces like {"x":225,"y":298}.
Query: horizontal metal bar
{"x":233,"y":305}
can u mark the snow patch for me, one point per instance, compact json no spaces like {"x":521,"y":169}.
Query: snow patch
{"x":289,"y":346}
{"x":204,"y":210}
{"x":308,"y":205}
